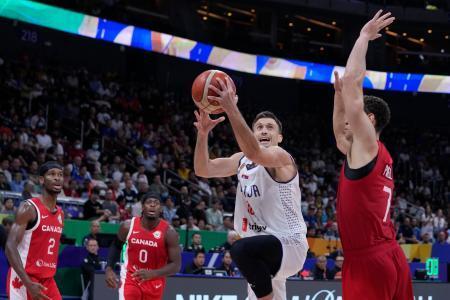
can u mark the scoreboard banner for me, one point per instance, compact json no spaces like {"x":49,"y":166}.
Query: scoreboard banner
{"x":219,"y":288}
{"x":148,"y":40}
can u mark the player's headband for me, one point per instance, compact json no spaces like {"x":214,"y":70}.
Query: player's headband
{"x":49,"y":165}
{"x":150,"y":195}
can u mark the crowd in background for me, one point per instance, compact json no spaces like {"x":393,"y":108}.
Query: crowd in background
{"x":119,"y":138}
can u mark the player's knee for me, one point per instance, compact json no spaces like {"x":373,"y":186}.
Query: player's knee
{"x":238,"y":253}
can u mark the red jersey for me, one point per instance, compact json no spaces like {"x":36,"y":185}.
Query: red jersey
{"x":40,"y":245}
{"x":144,"y":249}
{"x":363,"y":205}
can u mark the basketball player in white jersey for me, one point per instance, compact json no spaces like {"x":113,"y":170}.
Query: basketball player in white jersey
{"x":267,"y":212}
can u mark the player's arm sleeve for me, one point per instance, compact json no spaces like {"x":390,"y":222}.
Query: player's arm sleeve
{"x":117,"y":244}
{"x":25,"y":214}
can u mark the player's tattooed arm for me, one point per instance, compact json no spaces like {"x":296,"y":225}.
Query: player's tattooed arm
{"x":114,"y":254}
{"x":174,"y":262}
{"x":26,"y":214}
{"x":339,"y":116}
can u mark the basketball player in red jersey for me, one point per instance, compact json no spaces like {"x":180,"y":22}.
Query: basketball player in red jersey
{"x":33,"y":242}
{"x":375,"y":266}
{"x":150,"y":253}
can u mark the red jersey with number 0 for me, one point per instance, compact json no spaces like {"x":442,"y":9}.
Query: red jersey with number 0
{"x":39,"y":247}
{"x":144,"y":249}
{"x":363,"y":205}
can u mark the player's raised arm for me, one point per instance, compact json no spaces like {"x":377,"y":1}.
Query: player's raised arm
{"x":114,"y":253}
{"x":203,"y":165}
{"x":25,"y":215}
{"x":339,"y":116}
{"x":364,"y":135}
{"x":271,"y":157}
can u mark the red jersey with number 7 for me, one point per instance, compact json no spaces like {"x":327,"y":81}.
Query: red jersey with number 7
{"x":364,"y":203}
{"x":39,"y":247}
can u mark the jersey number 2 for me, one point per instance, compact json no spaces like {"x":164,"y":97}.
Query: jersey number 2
{"x":387,"y":190}
{"x":51,"y":245}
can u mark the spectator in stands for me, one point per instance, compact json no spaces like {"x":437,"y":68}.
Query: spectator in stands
{"x":8,"y":207}
{"x":227,"y":264}
{"x":311,"y":232}
{"x":336,"y":272}
{"x":426,"y":239}
{"x":27,"y":190}
{"x":184,"y":210}
{"x":441,"y":238}
{"x":110,"y":205}
{"x":159,"y":188}
{"x":199,"y":211}
{"x":4,"y":185}
{"x":183,"y":170}
{"x":319,"y":271}
{"x":5,"y":227}
{"x":415,"y":228}
{"x":439,"y":222}
{"x":169,"y":210}
{"x":228,"y":223}
{"x":176,"y":222}
{"x":140,"y":174}
{"x":17,"y":183}
{"x":4,"y":169}
{"x":90,"y":264}
{"x":93,"y":154}
{"x":196,"y":244}
{"x":232,"y":236}
{"x":196,"y":267}
{"x":310,"y":218}
{"x":94,"y":231}
{"x":44,"y":141}
{"x":190,"y":224}
{"x":331,"y":232}
{"x":94,"y":209}
{"x":406,"y":233}
{"x":214,"y":215}
{"x":129,"y":192}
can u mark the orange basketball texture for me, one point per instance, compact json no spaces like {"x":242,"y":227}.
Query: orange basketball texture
{"x":200,"y":90}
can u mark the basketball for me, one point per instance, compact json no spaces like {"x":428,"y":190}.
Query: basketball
{"x":200,"y":91}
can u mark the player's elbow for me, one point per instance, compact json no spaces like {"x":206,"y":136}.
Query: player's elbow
{"x":201,"y":172}
{"x":352,"y":79}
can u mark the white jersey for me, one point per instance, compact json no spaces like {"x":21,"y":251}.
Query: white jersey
{"x":266,"y":206}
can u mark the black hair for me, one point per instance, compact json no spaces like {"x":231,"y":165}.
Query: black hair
{"x":380,"y":109}
{"x":197,"y":252}
{"x":196,"y":233}
{"x":270,"y":115}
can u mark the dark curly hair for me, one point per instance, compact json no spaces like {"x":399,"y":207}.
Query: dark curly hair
{"x":270,"y":115}
{"x":380,"y":109}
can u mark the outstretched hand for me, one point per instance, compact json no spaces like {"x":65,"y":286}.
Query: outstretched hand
{"x":204,"y":123}
{"x":227,"y":97}
{"x":371,"y":30}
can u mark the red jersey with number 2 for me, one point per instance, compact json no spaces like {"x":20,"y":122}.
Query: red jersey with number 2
{"x":363,"y":205}
{"x":40,"y":244}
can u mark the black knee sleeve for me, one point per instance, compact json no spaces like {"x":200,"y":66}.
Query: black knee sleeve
{"x":258,"y":258}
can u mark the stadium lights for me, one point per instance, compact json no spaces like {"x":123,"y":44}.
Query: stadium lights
{"x":333,"y":23}
{"x":430,"y":31}
{"x":291,"y":24}
{"x":404,"y":34}
{"x":446,"y":37}
{"x":308,"y":29}
{"x":422,"y":40}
